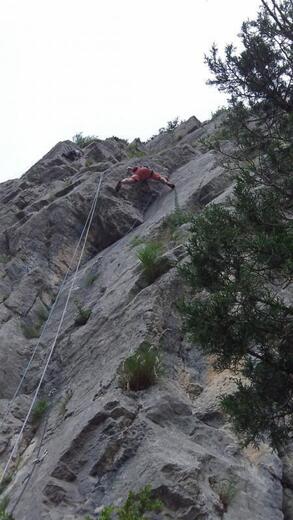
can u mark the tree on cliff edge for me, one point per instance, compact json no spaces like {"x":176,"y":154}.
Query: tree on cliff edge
{"x":240,"y":265}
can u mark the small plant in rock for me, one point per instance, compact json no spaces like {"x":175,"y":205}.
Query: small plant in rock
{"x":90,"y":279}
{"x":134,"y":508}
{"x":134,"y":151}
{"x":83,"y":140}
{"x":177,"y":219}
{"x":149,"y":255}
{"x":173,"y":221}
{"x":141,"y":369}
{"x":170,"y":127}
{"x":4,"y":259}
{"x":88,"y":163}
{"x":30,"y":331}
{"x":226,"y":491}
{"x":43,"y":314}
{"x":39,"y":411}
{"x":5,"y":482}
{"x":219,"y":111}
{"x":4,"y":515}
{"x":83,"y":315}
{"x":137,"y":241}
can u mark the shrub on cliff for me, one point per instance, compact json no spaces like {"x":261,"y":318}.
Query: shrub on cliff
{"x":83,"y":140}
{"x":141,"y":369}
{"x":3,"y":513}
{"x":39,"y":411}
{"x":136,"y":505}
{"x":149,"y":256}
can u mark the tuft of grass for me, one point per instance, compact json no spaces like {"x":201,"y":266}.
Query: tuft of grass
{"x":137,"y":241}
{"x":135,"y":506}
{"x":5,"y":482}
{"x":43,"y":314}
{"x":170,"y":127}
{"x":83,"y":315}
{"x":135,"y":153}
{"x":133,"y":149}
{"x":83,"y":140}
{"x":141,"y":369}
{"x":106,"y":514}
{"x":149,"y":255}
{"x":226,"y":491}
{"x":30,"y":331}
{"x":89,"y":163}
{"x":4,"y":515}
{"x":177,"y":219}
{"x":4,"y":259}
{"x":39,"y":411}
{"x":90,"y":279}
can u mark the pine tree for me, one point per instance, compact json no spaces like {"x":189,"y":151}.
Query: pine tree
{"x":240,"y":263}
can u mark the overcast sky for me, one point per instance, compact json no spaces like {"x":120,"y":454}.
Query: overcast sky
{"x":105,"y":67}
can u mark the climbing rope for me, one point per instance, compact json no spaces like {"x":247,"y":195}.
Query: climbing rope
{"x":85,"y":231}
{"x":19,"y":436}
{"x":11,"y":403}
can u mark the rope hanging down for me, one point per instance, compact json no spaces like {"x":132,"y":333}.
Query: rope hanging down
{"x":89,"y":222}
{"x":9,"y":406}
{"x":86,"y":229}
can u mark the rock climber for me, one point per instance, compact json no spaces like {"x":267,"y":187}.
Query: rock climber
{"x":143,"y":173}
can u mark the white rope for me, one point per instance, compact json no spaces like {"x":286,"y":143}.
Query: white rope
{"x":56,"y":336}
{"x":88,"y":223}
{"x":9,"y":406}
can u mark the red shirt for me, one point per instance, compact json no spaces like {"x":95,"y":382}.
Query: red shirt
{"x":141,"y":174}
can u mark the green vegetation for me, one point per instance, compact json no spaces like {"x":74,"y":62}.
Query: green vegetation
{"x":89,"y":163}
{"x":4,"y":259}
{"x":39,"y":411}
{"x":242,"y":256}
{"x":173,"y":221}
{"x":170,"y":127}
{"x":43,"y":314}
{"x":83,"y":315}
{"x":141,"y":369}
{"x":5,"y":482}
{"x":90,"y":279}
{"x":149,"y":255}
{"x":134,"y":150}
{"x":3,"y":513}
{"x":83,"y":140}
{"x":137,"y":241}
{"x":31,"y":331}
{"x":135,"y":507}
{"x":177,"y":219}
{"x":226,"y":491}
{"x":219,"y":111}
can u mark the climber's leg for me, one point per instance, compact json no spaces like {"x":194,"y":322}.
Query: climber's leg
{"x":127,"y":180}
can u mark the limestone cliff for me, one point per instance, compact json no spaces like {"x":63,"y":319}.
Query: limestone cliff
{"x":100,"y":441}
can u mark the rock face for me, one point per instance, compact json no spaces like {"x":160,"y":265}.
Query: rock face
{"x":98,"y":441}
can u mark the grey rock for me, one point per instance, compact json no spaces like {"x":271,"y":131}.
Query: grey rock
{"x":108,"y":442}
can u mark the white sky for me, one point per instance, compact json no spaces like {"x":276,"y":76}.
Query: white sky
{"x":105,"y":67}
